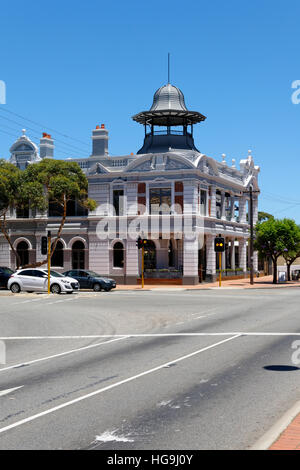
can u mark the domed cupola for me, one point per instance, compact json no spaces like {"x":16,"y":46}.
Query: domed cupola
{"x":23,"y":152}
{"x":168,"y":97}
{"x":168,"y":110}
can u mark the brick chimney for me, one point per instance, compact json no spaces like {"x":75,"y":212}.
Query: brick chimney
{"x":100,"y":141}
{"x":46,"y":146}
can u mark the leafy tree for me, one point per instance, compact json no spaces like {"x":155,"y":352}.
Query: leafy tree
{"x":15,"y":193}
{"x":262,"y":216}
{"x":58,"y":182}
{"x":275,"y":237}
{"x":10,"y":195}
{"x":290,"y":255}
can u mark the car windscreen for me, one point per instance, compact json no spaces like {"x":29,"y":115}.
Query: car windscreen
{"x":92,"y":273}
{"x":55,"y":274}
{"x":7,"y":271}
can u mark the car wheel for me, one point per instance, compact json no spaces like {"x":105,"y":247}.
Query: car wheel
{"x":97,"y":287}
{"x":15,"y":288}
{"x":55,"y":289}
{"x":107,"y":289}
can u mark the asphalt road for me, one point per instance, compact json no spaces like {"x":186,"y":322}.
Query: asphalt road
{"x":207,"y":369}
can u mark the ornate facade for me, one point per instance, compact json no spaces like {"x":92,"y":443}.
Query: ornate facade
{"x":169,"y":192}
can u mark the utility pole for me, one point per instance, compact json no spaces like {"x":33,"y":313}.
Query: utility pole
{"x":251,"y":235}
{"x":49,"y":258}
{"x":251,"y":246}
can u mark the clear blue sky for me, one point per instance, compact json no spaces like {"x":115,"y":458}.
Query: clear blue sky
{"x":72,"y":65}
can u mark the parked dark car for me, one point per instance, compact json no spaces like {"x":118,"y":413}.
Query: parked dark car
{"x":5,"y":274}
{"x":91,"y":280}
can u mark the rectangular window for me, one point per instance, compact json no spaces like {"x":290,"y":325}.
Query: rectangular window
{"x":22,"y":213}
{"x":118,"y":201}
{"x":203,"y":202}
{"x":218,"y":204}
{"x":160,"y":201}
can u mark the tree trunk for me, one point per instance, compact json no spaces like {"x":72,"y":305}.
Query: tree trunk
{"x":7,"y":237}
{"x":288,"y":267}
{"x":274,"y":271}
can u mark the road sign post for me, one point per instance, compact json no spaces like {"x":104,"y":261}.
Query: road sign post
{"x":220,"y":248}
{"x":49,"y":259}
{"x":143,"y":252}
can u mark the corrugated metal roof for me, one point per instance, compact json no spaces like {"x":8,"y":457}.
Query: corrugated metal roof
{"x":168,"y":97}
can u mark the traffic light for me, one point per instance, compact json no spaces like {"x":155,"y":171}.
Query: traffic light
{"x":219,"y":244}
{"x":141,"y":242}
{"x":44,"y":245}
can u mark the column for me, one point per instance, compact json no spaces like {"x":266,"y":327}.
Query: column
{"x":190,"y":261}
{"x":223,"y":212}
{"x":232,"y":204}
{"x":255,"y":210}
{"x":255,"y":262}
{"x":232,"y":254}
{"x":243,"y":210}
{"x":190,"y":197}
{"x":132,"y":264}
{"x":243,"y":254}
{"x":131,"y":197}
{"x":210,"y":258}
{"x":99,"y":255}
{"x":4,"y":252}
{"x":100,"y":193}
{"x":213,"y":201}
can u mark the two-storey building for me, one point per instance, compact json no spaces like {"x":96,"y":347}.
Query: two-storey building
{"x":168,"y":192}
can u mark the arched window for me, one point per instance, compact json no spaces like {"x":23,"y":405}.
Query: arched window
{"x":150,"y":255}
{"x":118,"y":255}
{"x":171,"y":255}
{"x":22,"y":250}
{"x":78,"y":257}
{"x":57,"y":259}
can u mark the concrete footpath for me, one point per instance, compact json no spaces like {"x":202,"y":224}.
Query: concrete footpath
{"x":259,"y":283}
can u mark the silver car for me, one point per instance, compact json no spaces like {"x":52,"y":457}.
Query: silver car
{"x":36,"y":280}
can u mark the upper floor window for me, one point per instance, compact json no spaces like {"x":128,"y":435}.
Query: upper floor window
{"x":22,"y":213}
{"x":118,"y":201}
{"x":74,"y":209}
{"x":160,"y":201}
{"x":203,"y":202}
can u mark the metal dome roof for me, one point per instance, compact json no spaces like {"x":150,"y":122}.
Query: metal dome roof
{"x":168,"y":109}
{"x":168,"y":97}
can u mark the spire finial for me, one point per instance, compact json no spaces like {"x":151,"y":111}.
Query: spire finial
{"x":168,"y":68}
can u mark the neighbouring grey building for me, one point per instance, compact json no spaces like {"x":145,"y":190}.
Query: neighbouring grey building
{"x":166,"y":182}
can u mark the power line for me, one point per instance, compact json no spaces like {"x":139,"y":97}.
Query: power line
{"x":280,"y":198}
{"x":33,"y":139}
{"x":35,"y":130}
{"x":43,"y":126}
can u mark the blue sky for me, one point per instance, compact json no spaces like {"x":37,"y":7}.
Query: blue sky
{"x":72,"y":65}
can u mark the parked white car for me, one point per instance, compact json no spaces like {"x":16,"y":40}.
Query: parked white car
{"x":32,"y":280}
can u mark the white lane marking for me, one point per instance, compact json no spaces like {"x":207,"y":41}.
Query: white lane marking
{"x":9,"y":390}
{"x":90,"y":346}
{"x":148,"y":335}
{"x":110,"y":387}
